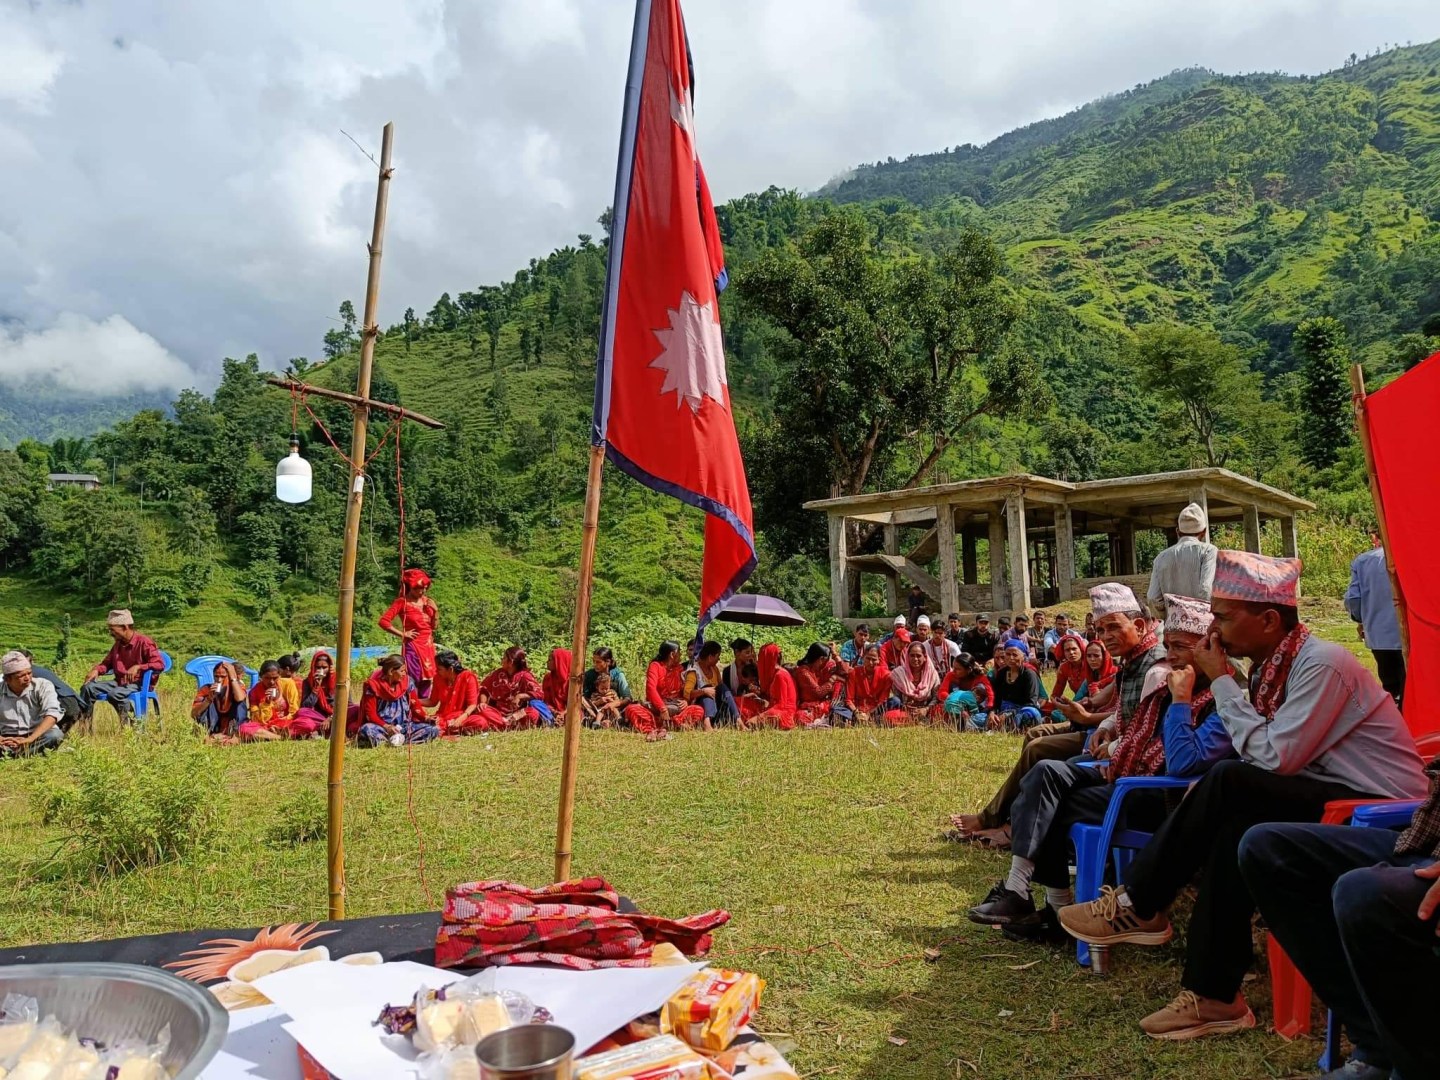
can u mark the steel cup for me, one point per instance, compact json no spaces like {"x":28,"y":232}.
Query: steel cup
{"x":527,"y":1052}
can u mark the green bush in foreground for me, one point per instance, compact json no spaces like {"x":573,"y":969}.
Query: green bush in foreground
{"x":138,"y":801}
{"x":299,"y":820}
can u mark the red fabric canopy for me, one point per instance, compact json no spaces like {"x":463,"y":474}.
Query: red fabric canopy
{"x":1402,"y":420}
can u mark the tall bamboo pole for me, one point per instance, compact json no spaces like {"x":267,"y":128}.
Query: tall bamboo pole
{"x":335,"y":833}
{"x":568,"y":765}
{"x":1362,"y":423}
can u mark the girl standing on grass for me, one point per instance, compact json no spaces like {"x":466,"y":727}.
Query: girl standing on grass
{"x":419,"y":618}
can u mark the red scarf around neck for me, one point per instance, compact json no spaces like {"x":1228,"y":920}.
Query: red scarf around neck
{"x":1267,"y":687}
{"x":1140,"y":749}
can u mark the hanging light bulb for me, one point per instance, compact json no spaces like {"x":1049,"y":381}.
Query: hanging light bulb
{"x":292,"y":475}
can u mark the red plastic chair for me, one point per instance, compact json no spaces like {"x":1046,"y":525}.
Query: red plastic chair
{"x":1289,"y":990}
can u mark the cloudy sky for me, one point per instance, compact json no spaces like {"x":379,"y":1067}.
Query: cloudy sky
{"x":175,"y":187}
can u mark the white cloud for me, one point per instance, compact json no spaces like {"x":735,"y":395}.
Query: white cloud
{"x":182,"y":165}
{"x":27,"y":68}
{"x":94,"y":359}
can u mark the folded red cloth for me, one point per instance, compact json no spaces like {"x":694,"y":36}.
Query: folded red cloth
{"x":577,"y":924}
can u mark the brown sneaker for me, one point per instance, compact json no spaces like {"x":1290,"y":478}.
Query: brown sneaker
{"x":1191,"y":1016}
{"x":1109,"y":922}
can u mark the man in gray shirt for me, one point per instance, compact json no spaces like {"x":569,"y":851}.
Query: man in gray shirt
{"x":29,"y":710}
{"x":1371,"y":603}
{"x":1317,"y":727}
{"x":1187,"y":567}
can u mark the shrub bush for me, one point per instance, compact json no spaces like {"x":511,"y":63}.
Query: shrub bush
{"x":146,"y":799}
{"x":299,"y":820}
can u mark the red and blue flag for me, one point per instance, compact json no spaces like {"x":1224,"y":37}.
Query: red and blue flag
{"x":662,"y":400}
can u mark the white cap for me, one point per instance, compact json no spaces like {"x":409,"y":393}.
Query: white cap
{"x":1192,"y":521}
{"x":899,"y":620}
{"x":14,"y":662}
{"x":923,"y":620}
{"x":1111,"y":597}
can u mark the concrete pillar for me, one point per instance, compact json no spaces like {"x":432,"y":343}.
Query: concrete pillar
{"x":1064,"y":552}
{"x":945,"y":550}
{"x":1019,"y":550}
{"x":839,"y":568}
{"x":1252,"y":528}
{"x":1127,"y":547}
{"x":970,"y":570}
{"x":1289,"y":543}
{"x":999,"y":586}
{"x":892,"y":581}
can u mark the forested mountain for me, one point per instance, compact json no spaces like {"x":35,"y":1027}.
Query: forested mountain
{"x":1168,"y":277}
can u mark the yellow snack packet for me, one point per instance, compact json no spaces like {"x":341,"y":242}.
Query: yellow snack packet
{"x":709,"y":1010}
{"x":661,"y":1058}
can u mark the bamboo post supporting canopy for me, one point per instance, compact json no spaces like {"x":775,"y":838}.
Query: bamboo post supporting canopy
{"x":335,"y":833}
{"x":1362,"y":424}
{"x":569,"y":767}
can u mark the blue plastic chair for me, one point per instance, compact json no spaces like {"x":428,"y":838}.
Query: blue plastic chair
{"x":1380,"y":815}
{"x":202,"y":668}
{"x":1095,"y":845}
{"x":143,"y":697}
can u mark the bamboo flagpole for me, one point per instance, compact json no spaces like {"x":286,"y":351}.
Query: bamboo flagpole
{"x":1362,"y":424}
{"x":564,"y":827}
{"x":335,"y":833}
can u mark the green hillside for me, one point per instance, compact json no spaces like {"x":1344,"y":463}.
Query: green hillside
{"x":1041,"y":264}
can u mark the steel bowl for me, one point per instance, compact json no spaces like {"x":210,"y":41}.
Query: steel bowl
{"x":113,"y":1003}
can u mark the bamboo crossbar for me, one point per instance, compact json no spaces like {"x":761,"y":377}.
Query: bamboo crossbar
{"x":295,"y":386}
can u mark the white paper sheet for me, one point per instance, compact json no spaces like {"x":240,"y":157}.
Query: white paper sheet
{"x":333,"y":1006}
{"x":257,"y":1047}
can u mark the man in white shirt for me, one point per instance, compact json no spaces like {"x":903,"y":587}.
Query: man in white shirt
{"x":1187,"y":567}
{"x":940,"y":649}
{"x":29,"y":710}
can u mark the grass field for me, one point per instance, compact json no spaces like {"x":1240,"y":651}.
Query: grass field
{"x":822,"y":845}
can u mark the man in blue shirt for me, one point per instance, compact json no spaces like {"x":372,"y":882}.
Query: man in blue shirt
{"x":1371,"y":604}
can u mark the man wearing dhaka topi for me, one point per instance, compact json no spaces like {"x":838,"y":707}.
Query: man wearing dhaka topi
{"x":1316,"y":727}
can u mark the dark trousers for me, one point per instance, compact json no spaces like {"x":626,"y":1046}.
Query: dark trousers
{"x":1390,"y":666}
{"x":106,"y":688}
{"x":1054,"y":796}
{"x":1204,"y":835}
{"x":1343,"y":905}
{"x":1042,"y":743}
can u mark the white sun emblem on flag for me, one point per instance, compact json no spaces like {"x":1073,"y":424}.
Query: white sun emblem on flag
{"x":694,"y":354}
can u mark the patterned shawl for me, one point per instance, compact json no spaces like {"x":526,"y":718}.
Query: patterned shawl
{"x":1140,"y":749}
{"x":1267,"y":686}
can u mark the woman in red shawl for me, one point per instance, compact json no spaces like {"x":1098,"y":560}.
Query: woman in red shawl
{"x":915,"y":683}
{"x":418,"y":617}
{"x":555,"y":687}
{"x":868,"y":688}
{"x":510,"y":693}
{"x":1083,"y":670}
{"x":317,"y":692}
{"x":664,"y":696}
{"x":390,"y":708}
{"x":778,"y":689}
{"x":815,"y":684}
{"x":455,"y":697}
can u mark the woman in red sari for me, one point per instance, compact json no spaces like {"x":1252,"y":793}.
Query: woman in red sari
{"x":778,"y":688}
{"x":508,"y":695}
{"x":317,"y":692}
{"x":664,"y":702}
{"x":555,"y":687}
{"x":915,"y":683}
{"x":868,"y":688}
{"x":455,"y":697}
{"x":418,"y":617}
{"x":815,"y":685}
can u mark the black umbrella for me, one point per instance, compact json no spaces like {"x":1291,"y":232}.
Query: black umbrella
{"x":760,"y":610}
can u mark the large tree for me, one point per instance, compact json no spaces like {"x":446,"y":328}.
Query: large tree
{"x":1208,"y":385}
{"x":1324,"y":354}
{"x":884,"y":362}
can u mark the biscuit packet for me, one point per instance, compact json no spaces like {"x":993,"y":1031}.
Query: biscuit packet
{"x":661,"y":1058}
{"x":709,"y":1010}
